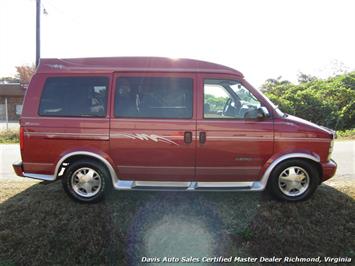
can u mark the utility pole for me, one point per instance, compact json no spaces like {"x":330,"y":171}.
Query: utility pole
{"x":38,"y":31}
{"x":6,"y":114}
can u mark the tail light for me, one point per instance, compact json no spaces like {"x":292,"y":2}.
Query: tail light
{"x":331,"y":145}
{"x":22,"y":138}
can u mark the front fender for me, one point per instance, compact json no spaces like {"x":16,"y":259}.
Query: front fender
{"x":265,"y":172}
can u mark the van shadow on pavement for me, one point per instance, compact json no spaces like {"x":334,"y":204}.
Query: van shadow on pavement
{"x":41,"y":225}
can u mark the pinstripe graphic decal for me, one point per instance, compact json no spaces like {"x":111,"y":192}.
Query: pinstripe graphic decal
{"x":143,"y":136}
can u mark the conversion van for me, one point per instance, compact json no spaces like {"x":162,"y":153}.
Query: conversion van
{"x":144,"y":123}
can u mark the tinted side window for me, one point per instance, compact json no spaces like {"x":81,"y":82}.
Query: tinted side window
{"x":153,"y":97}
{"x":74,"y":96}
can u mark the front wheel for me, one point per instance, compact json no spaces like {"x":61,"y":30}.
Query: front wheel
{"x":293,"y":180}
{"x":86,"y":181}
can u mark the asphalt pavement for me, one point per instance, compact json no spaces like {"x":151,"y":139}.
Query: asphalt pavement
{"x":343,"y":154}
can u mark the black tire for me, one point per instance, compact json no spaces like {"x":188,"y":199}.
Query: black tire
{"x":275,"y":189}
{"x":103,"y":175}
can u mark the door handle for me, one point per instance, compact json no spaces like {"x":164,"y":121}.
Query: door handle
{"x":188,"y":137}
{"x":202,"y":137}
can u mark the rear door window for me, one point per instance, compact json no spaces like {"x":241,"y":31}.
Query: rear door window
{"x":154,"y":97}
{"x":74,"y":96}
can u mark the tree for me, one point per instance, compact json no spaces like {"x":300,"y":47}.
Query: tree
{"x":25,"y":73}
{"x":302,"y":77}
{"x":328,"y":102}
{"x":271,"y":83}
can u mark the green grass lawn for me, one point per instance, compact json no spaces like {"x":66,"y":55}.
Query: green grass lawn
{"x":346,"y":134}
{"x":40,"y":225}
{"x":9,"y":136}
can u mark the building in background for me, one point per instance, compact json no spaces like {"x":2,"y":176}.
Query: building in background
{"x":11,"y":98}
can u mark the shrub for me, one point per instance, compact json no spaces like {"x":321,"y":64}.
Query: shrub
{"x":9,"y":136}
{"x":346,"y":134}
{"x":327,"y":102}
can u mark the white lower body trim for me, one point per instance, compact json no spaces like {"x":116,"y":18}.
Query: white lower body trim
{"x":224,"y":184}
{"x":189,"y":186}
{"x":160,"y":184}
{"x":40,"y":176}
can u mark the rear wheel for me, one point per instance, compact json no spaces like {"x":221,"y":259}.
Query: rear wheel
{"x":86,"y":181}
{"x":293,"y":180}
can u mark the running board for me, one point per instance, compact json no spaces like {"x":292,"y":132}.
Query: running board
{"x":188,"y":186}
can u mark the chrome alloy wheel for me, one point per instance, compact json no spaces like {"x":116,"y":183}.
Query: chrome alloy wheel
{"x":293,"y":181}
{"x":86,"y":182}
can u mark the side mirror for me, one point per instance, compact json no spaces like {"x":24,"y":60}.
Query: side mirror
{"x":262,"y":112}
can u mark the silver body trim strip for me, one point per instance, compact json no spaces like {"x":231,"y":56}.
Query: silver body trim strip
{"x":224,"y":184}
{"x":302,"y":139}
{"x":190,"y":186}
{"x":160,"y":184}
{"x":49,"y":135}
{"x":241,"y":138}
{"x":66,"y":118}
{"x":66,"y":133}
{"x":40,"y":176}
{"x":39,"y":163}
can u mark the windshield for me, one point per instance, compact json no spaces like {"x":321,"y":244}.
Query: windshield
{"x":245,"y":96}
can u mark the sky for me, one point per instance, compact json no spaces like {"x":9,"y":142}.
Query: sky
{"x":262,"y":39}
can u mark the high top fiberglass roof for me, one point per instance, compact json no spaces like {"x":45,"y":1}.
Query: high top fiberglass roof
{"x":138,"y":64}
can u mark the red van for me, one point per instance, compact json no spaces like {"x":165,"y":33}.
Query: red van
{"x":135,"y":123}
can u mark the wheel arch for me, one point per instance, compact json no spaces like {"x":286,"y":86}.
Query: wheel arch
{"x":77,"y":155}
{"x":313,"y":159}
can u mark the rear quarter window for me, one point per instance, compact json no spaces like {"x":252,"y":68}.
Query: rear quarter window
{"x":74,"y":96}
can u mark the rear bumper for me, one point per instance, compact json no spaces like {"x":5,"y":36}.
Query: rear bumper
{"x":18,"y":168}
{"x":329,"y":168}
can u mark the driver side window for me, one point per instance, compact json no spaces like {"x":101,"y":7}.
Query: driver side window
{"x":216,"y":100}
{"x":228,"y":99}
